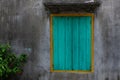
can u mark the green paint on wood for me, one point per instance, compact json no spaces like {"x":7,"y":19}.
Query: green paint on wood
{"x":72,"y":42}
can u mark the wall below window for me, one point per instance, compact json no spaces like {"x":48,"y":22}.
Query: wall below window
{"x":25,"y":24}
{"x":72,"y":1}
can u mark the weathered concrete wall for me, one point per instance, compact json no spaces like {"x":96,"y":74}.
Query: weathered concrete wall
{"x":70,"y":1}
{"x":25,"y":24}
{"x":109,"y":23}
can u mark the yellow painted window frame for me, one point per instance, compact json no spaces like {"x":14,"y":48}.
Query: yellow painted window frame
{"x":92,"y":43}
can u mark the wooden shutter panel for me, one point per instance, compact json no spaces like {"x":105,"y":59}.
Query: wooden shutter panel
{"x":71,"y":42}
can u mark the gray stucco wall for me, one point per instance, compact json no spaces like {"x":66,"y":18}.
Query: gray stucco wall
{"x":25,"y":24}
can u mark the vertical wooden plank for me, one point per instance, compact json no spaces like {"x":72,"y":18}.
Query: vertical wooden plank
{"x":75,"y":42}
{"x":77,"y":37}
{"x":55,"y":45}
{"x":80,"y":42}
{"x":88,"y":41}
{"x":61,"y":43}
{"x":81,"y":48}
{"x":68,"y":43}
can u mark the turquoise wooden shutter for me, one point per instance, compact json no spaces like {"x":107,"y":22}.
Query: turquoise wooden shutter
{"x":71,"y":42}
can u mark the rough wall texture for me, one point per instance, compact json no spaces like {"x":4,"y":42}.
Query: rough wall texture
{"x":25,"y":25}
{"x":70,"y":1}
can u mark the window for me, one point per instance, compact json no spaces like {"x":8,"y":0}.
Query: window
{"x":72,"y":42}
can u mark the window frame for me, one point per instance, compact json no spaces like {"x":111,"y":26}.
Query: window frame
{"x":92,"y":43}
